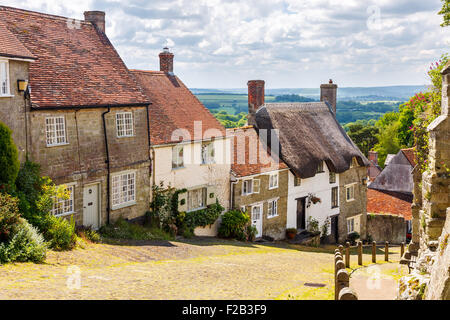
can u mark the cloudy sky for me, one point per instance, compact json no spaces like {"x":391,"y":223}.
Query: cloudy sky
{"x":288,"y":43}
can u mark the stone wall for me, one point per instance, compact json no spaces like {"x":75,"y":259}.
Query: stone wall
{"x":273,"y":227}
{"x":356,"y":207}
{"x":385,"y":227}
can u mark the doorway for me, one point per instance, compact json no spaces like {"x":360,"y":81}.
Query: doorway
{"x":257,"y":219}
{"x":301,"y":213}
{"x":91,"y":206}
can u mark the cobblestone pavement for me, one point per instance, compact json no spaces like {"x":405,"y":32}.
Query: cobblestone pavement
{"x":194,"y":269}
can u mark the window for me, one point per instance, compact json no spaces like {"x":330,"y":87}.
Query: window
{"x":63,"y":206}
{"x":196,"y":199}
{"x":332,"y":177}
{"x":4,"y":78}
{"x":350,"y":192}
{"x":123,"y":189}
{"x":256,"y":185}
{"x":247,"y":187}
{"x":297,"y":181}
{"x":273,"y":181}
{"x":208,"y":153}
{"x":124,"y":124}
{"x":55,"y":129}
{"x":177,"y":157}
{"x":350,"y":225}
{"x":320,"y":167}
{"x":334,"y":197}
{"x":272,"y":210}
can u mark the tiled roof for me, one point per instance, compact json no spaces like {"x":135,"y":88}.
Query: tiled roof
{"x":174,"y":107}
{"x":409,"y":154}
{"x":250,"y":156}
{"x":384,"y":202}
{"x":10,"y":46}
{"x":76,"y":64}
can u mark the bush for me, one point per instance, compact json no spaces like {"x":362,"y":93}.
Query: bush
{"x":26,"y":244}
{"x":199,"y":218}
{"x":88,"y":234}
{"x":59,"y":232}
{"x":9,"y":216}
{"x":234,"y":225}
{"x":124,"y":230}
{"x":352,"y":237}
{"x":9,"y":157}
{"x":313,"y":225}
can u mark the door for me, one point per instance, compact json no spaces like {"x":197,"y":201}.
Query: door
{"x":257,"y":219}
{"x":334,"y":237}
{"x":301,"y":213}
{"x":91,"y":212}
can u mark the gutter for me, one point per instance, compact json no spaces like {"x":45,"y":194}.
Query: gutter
{"x":93,"y":106}
{"x":108,"y":166}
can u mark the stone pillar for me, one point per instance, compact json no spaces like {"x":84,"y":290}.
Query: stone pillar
{"x":347,"y":294}
{"x":341,"y":249}
{"x":342,"y":281}
{"x":340,"y":265}
{"x":360,"y":252}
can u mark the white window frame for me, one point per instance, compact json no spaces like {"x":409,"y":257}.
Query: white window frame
{"x":204,"y":195}
{"x":177,"y":160}
{"x":67,"y":206}
{"x":124,"y":124}
{"x":350,"y":225}
{"x":350,"y":197}
{"x":256,"y":185}
{"x":272,"y":208}
{"x":208,"y":153}
{"x":55,"y":136}
{"x":6,"y":81}
{"x":123,"y":195}
{"x":273,"y":183}
{"x":247,"y":187}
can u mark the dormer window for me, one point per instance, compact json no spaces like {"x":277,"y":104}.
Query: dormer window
{"x":4,"y":78}
{"x":320,"y":167}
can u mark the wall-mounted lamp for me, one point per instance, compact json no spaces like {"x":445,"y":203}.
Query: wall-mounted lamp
{"x":22,"y":85}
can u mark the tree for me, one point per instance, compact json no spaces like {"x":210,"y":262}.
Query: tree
{"x":9,"y":157}
{"x":388,"y":142}
{"x":445,"y":12}
{"x":364,"y":134}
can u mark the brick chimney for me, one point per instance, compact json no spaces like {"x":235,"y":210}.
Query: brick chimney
{"x":166,"y":61}
{"x":373,"y":156}
{"x":328,"y":92}
{"x":255,"y":98}
{"x":97,"y":18}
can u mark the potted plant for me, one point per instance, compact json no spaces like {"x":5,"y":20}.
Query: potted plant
{"x":291,"y":233}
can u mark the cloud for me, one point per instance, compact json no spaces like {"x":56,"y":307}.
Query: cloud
{"x":289,"y":43}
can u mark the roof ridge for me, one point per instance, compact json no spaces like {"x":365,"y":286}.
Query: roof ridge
{"x":41,"y":14}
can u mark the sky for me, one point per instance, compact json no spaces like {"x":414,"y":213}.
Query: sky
{"x":287,"y":43}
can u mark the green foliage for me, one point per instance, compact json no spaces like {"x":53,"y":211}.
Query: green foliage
{"x":352,"y":237}
{"x":364,"y":134}
{"x":9,"y":216}
{"x":229,"y":120}
{"x":203,"y":217}
{"x":26,"y":244}
{"x":445,"y":12}
{"x":388,"y":142}
{"x":164,"y":206}
{"x":59,"y":232}
{"x":292,"y":98}
{"x":89,"y":234}
{"x":234,"y":225}
{"x":9,"y":157}
{"x":124,"y":230}
{"x":313,"y":225}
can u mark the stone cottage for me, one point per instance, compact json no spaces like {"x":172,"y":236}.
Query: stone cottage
{"x":189,"y":146}
{"x":327,"y":176}
{"x":259,"y":183}
{"x":75,"y":109}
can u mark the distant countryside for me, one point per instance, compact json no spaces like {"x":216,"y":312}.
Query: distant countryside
{"x":230,"y":106}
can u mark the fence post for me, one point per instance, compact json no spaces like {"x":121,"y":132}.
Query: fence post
{"x":386,"y":251}
{"x":342,"y":281}
{"x":360,"y":253}
{"x":347,"y":294}
{"x":402,"y":249}
{"x":374,"y":251}
{"x":339,"y":266}
{"x":341,"y":249}
{"x":347,"y":254}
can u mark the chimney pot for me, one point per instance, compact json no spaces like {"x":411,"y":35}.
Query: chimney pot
{"x":97,"y":18}
{"x":373,"y":156}
{"x":166,"y":61}
{"x":255,"y":98}
{"x":328,"y":93}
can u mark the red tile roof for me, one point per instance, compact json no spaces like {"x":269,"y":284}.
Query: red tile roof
{"x":244,"y":140}
{"x":409,"y":154}
{"x":174,"y":107}
{"x":76,"y":66}
{"x":389,"y":203}
{"x":10,"y":46}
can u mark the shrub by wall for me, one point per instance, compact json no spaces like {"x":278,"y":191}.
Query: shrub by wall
{"x":9,"y":157}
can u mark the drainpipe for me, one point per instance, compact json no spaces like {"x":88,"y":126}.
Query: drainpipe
{"x":233,"y":182}
{"x":108,"y":205}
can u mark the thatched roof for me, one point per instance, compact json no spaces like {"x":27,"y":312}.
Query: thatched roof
{"x":308,"y":134}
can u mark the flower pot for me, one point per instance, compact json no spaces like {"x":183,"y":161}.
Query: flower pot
{"x":290,"y":235}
